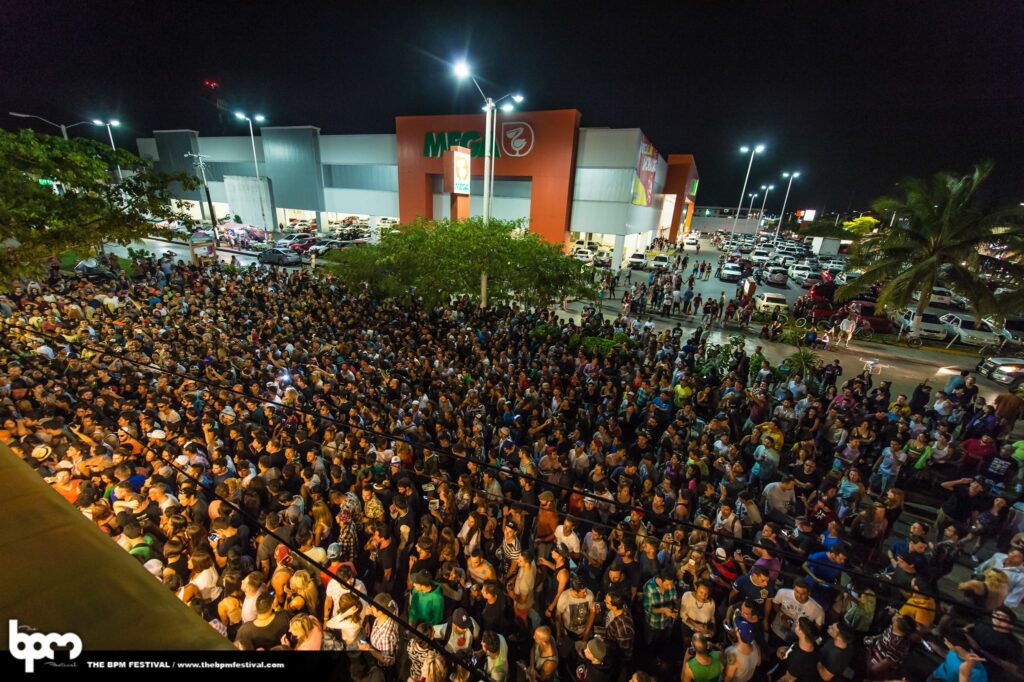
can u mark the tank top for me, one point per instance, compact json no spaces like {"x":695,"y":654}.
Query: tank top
{"x":746,"y":664}
{"x":712,"y":672}
{"x":539,"y":661}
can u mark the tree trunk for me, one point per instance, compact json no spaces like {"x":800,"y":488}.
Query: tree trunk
{"x":483,"y":290}
{"x":922,"y":305}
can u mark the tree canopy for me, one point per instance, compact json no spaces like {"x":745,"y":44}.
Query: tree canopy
{"x":938,"y":238}
{"x":443,"y":258}
{"x":92,"y":207}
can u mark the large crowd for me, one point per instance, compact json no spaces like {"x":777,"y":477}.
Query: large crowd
{"x":309,"y":467}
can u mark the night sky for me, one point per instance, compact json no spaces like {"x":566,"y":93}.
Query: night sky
{"x":856,"y":95}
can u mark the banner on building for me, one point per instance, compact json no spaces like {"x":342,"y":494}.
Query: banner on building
{"x":646,"y":169}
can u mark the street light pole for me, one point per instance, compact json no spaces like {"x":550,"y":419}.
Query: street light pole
{"x":750,"y":209}
{"x":782,"y":215}
{"x":756,"y":150}
{"x":199,"y":161}
{"x":767,"y":189}
{"x":255,"y":163}
{"x":110,"y":134}
{"x":488,"y":143}
{"x":63,"y":128}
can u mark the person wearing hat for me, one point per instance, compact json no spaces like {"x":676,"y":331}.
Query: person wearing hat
{"x":426,"y":603}
{"x":593,"y":665}
{"x":576,"y":610}
{"x":459,"y":633}
{"x":743,"y":656}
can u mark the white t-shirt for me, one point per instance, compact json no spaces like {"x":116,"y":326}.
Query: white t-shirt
{"x":575,"y":611}
{"x":691,"y":609}
{"x":336,"y":590}
{"x":786,"y":603}
{"x":206,"y":583}
{"x":570,"y":540}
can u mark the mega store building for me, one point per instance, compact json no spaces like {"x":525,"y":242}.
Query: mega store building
{"x":610,"y":186}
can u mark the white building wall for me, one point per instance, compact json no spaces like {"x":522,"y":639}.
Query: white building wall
{"x":359,"y":149}
{"x":228,"y":149}
{"x":361,"y":201}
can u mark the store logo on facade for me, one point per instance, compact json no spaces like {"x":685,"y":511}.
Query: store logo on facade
{"x":37,"y":646}
{"x":516,"y":138}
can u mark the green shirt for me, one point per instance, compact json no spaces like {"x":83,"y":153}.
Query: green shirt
{"x":712,"y":672}
{"x":427,"y":607}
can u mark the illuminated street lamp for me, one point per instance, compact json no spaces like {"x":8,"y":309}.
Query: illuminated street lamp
{"x":756,"y":150}
{"x":259,"y":118}
{"x":462,"y":71}
{"x":767,"y":189}
{"x":782,"y":214}
{"x":750,"y":209}
{"x":110,"y":133}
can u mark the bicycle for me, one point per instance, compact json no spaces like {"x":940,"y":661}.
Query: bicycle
{"x":910,"y":338}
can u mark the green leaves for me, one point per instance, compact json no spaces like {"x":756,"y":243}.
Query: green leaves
{"x":92,"y":208}
{"x":444,"y":258}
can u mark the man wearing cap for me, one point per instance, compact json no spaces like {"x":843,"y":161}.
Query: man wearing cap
{"x":593,"y":666}
{"x":459,"y":633}
{"x":576,"y":609}
{"x":743,"y":656}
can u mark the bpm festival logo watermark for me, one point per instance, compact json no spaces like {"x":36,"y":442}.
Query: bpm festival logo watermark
{"x":517,"y":138}
{"x":36,"y":646}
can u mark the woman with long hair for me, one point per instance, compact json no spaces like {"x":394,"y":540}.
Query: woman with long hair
{"x":323,"y":523}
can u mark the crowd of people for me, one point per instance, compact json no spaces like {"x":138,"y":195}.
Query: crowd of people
{"x":312,"y":468}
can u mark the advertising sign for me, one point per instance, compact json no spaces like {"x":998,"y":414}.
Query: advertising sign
{"x":457,"y":170}
{"x":646,"y":168}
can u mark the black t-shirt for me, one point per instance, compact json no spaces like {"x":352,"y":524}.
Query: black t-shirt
{"x":251,"y":637}
{"x":387,"y":557}
{"x":748,"y":590}
{"x":834,"y":659}
{"x":1000,"y":644}
{"x":802,"y":665}
{"x":960,"y":504}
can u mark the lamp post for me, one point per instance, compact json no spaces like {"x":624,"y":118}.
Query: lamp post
{"x":767,"y":189}
{"x":199,"y":161}
{"x":756,"y":150}
{"x":782,"y":214}
{"x":750,"y":208}
{"x":63,"y":128}
{"x":259,"y":118}
{"x":462,"y":72}
{"x":112,"y":123}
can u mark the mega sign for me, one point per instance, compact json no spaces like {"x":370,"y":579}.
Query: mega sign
{"x":515,"y":139}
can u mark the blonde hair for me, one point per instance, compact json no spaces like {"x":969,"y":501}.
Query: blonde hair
{"x":302,"y":583}
{"x":321,"y":513}
{"x":301,"y":625}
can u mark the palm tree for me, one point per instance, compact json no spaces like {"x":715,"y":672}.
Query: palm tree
{"x":936,"y":238}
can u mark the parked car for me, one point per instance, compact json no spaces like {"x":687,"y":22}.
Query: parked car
{"x":867,"y":311}
{"x":287,"y":241}
{"x":761,"y":255}
{"x":768,"y":301}
{"x":931,"y":325}
{"x":968,"y":330}
{"x":660,"y":262}
{"x":637,"y":261}
{"x":691,"y":240}
{"x":731,"y":273}
{"x":1012,"y":328}
{"x":91,"y":270}
{"x":813,"y":278}
{"x":940,"y":296}
{"x":603,"y":259}
{"x":584,"y":255}
{"x":847,"y":276}
{"x":279,"y":257}
{"x":1006,"y":371}
{"x":777,"y":275}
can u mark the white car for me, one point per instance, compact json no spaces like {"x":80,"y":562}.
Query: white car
{"x":661,"y":262}
{"x":285,"y":242}
{"x":767,"y":301}
{"x":799,"y":273}
{"x":584,"y":255}
{"x":1012,"y":329}
{"x":969,"y":331}
{"x":730,"y":273}
{"x":691,"y":240}
{"x":931,"y":323}
{"x":761,"y":255}
{"x":638,"y":261}
{"x":777,"y":275}
{"x":847,"y":277}
{"x":940,"y":296}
